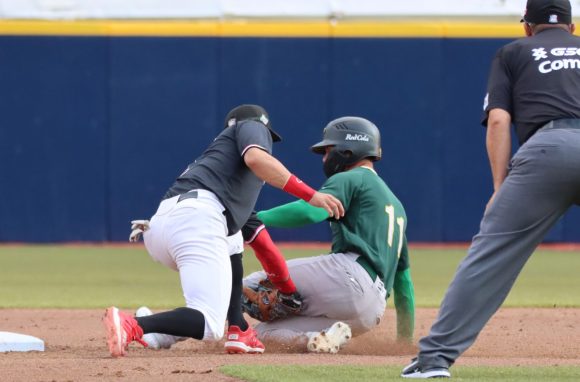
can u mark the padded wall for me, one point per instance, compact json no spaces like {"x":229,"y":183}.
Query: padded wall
{"x":93,"y":130}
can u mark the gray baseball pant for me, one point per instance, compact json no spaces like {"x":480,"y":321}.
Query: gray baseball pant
{"x":334,"y":288}
{"x":544,"y":181}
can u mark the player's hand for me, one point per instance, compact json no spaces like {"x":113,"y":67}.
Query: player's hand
{"x":331,"y":204}
{"x":137,"y":228}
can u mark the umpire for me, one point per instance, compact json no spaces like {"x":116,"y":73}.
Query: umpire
{"x":534,"y":84}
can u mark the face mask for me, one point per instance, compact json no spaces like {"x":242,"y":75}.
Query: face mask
{"x":333,"y":164}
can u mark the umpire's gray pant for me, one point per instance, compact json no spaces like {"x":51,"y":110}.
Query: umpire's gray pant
{"x":544,"y":181}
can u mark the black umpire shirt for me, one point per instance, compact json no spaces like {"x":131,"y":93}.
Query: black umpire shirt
{"x":221,"y":169}
{"x":536,"y":80}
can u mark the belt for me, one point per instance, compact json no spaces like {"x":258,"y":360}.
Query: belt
{"x":377,"y":281}
{"x":363,"y":262}
{"x":188,"y":195}
{"x":194,"y":194}
{"x":566,"y":123}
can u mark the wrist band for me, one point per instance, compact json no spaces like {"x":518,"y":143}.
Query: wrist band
{"x":299,"y":189}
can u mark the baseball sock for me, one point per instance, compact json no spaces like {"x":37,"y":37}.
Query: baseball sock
{"x":182,"y":322}
{"x":235,"y":316}
{"x":273,"y":262}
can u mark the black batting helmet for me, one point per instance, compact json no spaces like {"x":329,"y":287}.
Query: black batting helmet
{"x":352,"y":139}
{"x":254,"y":113}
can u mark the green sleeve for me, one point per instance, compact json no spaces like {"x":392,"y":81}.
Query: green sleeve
{"x":295,"y":214}
{"x":404,"y":305}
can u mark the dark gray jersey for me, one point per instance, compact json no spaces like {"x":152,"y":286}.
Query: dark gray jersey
{"x":221,"y":169}
{"x":536,"y":79}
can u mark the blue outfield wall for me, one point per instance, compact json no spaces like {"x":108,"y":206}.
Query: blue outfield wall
{"x":94,"y":129}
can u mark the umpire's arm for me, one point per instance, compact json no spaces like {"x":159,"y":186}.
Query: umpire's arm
{"x":499,"y":146}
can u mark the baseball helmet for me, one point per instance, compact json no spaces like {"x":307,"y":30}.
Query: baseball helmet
{"x":253,"y":113}
{"x":352,"y":139}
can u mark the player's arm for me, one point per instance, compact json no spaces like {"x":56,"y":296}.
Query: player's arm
{"x":498,"y":143}
{"x":404,"y":296}
{"x":294,"y":214}
{"x":273,"y":172}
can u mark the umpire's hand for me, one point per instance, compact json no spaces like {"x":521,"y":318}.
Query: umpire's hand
{"x":331,"y":204}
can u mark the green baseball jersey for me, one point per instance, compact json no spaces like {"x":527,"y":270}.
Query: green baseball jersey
{"x":374,"y":224}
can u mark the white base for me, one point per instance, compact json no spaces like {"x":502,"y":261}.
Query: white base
{"x":19,"y":342}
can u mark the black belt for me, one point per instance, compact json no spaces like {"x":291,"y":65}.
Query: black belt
{"x":188,"y":195}
{"x":566,"y":123}
{"x":193,"y":195}
{"x":363,"y":262}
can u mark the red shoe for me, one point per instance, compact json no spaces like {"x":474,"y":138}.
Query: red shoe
{"x":122,"y":329}
{"x":243,"y":342}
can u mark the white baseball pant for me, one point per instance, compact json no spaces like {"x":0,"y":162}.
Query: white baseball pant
{"x":190,"y":236}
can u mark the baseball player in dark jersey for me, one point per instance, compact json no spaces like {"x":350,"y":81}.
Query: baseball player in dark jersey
{"x":209,"y":201}
{"x":344,"y":293}
{"x":534,"y":84}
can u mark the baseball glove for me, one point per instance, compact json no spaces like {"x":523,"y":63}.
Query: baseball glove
{"x":267,"y":303}
{"x":137,"y":229}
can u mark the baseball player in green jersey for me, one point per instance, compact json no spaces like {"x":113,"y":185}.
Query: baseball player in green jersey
{"x":345,"y":292}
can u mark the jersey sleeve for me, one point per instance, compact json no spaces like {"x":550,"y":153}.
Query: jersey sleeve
{"x":253,"y":134}
{"x":342,"y":186}
{"x":294,"y":214}
{"x":499,"y":89}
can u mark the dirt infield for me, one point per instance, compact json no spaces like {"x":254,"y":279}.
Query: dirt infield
{"x":76,"y":350}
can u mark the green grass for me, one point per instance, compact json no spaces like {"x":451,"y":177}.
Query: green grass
{"x":84,"y":277}
{"x":550,"y":278}
{"x":318,"y":373}
{"x":93,"y":277}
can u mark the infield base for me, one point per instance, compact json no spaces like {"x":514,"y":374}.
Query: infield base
{"x":19,"y":342}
